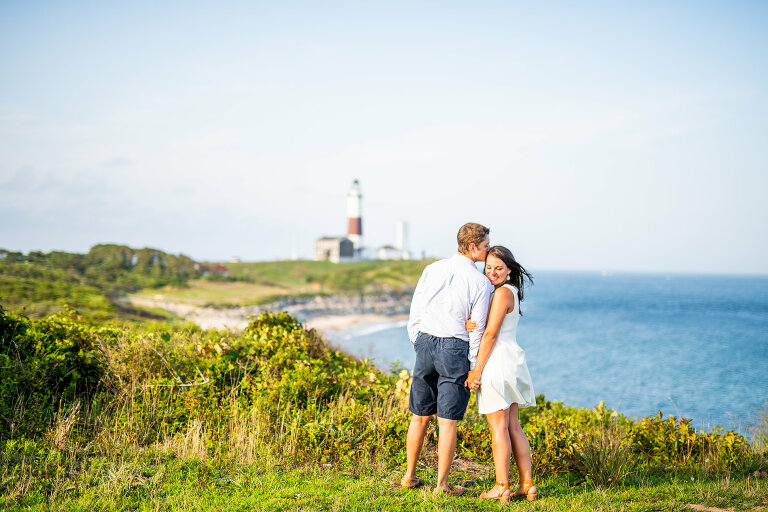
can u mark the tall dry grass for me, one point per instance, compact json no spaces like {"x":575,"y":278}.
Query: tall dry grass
{"x":759,"y":430}
{"x":606,"y":457}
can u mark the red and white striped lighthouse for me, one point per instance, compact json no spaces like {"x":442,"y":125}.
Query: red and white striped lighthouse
{"x":354,"y":219}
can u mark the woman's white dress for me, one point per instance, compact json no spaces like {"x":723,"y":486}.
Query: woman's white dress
{"x":506,"y":379}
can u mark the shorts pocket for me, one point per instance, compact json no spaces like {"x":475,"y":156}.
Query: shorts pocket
{"x":453,"y":360}
{"x":454,"y":351}
{"x":456,"y":348}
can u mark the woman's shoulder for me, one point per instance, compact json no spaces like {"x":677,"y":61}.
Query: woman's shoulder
{"x":510,"y":287}
{"x":505,"y":292}
{"x":508,"y":293}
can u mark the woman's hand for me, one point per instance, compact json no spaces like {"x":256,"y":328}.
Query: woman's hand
{"x":473,"y":380}
{"x":470,"y":325}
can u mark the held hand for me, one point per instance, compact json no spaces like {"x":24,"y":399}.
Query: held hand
{"x":470,"y":325}
{"x":473,"y":380}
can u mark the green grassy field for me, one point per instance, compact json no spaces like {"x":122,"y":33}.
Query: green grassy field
{"x":195,"y":485}
{"x":162,"y":417}
{"x":263,"y":282}
{"x":326,"y":277}
{"x":201,"y":292}
{"x":39,"y":284}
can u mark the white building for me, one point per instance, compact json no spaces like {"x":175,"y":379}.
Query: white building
{"x":336,"y":249}
{"x":399,"y":251}
{"x":388,"y":252}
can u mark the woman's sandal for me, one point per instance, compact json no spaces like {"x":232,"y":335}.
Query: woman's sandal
{"x":526,"y":485}
{"x":503,"y":495}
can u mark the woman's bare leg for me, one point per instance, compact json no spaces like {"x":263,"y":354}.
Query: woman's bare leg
{"x":501,"y":446}
{"x":521,"y":448}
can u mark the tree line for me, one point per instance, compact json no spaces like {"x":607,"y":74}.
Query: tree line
{"x":112,"y":268}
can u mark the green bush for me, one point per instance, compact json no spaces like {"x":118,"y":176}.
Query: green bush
{"x":277,"y":392}
{"x":605,"y":458}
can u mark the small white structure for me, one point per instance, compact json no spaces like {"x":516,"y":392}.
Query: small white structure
{"x":388,"y":252}
{"x":401,"y":239}
{"x":400,"y":250}
{"x":335,"y":249}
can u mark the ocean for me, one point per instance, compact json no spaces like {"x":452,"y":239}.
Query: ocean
{"x":693,"y":346}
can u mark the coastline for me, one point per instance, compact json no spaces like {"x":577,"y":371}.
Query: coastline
{"x":333,"y":323}
{"x":327,"y":314}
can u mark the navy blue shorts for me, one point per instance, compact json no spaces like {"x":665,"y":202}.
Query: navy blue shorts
{"x":438,"y":377}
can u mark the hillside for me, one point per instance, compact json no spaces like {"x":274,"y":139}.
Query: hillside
{"x":107,"y":418}
{"x":244,"y":284}
{"x":37,"y":284}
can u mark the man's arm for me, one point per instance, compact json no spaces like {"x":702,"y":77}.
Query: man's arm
{"x":479,"y":315}
{"x":417,"y":307}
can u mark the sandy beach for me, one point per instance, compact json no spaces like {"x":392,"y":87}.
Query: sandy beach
{"x":326,"y":314}
{"x":340,"y":322}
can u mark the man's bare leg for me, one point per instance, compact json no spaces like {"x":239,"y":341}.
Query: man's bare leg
{"x":414,"y":440}
{"x":446,"y":449}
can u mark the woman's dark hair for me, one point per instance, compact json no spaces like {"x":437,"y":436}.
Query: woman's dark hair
{"x":518,"y":274}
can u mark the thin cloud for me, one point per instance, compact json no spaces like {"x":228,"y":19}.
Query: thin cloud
{"x":118,"y":161}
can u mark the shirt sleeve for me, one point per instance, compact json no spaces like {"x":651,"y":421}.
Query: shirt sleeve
{"x":417,"y":307}
{"x":479,"y":315}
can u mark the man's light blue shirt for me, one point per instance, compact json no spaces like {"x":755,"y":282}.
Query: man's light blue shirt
{"x":449,"y":292}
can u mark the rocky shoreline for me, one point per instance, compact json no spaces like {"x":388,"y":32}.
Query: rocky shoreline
{"x":326,"y":312}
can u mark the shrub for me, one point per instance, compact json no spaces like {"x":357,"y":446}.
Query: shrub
{"x":759,"y":430}
{"x":605,"y":458}
{"x":277,"y":392}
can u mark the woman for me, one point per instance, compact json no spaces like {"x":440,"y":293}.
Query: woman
{"x":501,"y":377}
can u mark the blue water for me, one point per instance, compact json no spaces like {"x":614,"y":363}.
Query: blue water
{"x":692,"y":346}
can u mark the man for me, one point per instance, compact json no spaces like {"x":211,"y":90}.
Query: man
{"x":449,"y":292}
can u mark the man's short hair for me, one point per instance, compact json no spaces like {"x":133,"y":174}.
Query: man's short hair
{"x":471,"y":233}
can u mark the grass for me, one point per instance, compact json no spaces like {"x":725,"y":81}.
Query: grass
{"x":201,"y":292}
{"x":172,"y":418}
{"x":158,"y":483}
{"x":304,"y":277}
{"x":759,"y":430}
{"x":37,"y":298}
{"x":262,"y":282}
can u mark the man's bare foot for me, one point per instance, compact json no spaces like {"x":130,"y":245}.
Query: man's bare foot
{"x":410,"y":482}
{"x":451,"y":490}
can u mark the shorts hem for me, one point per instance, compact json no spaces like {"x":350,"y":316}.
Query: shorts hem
{"x":452,"y":419}
{"x":420,"y":413}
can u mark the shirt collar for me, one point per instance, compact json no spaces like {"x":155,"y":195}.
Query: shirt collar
{"x":461,"y":257}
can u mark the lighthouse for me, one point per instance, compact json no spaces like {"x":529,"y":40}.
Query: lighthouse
{"x":354,"y":218}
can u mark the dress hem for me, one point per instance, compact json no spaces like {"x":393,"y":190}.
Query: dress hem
{"x":523,"y":405}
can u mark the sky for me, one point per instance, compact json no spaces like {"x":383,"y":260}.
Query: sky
{"x":619,"y":136}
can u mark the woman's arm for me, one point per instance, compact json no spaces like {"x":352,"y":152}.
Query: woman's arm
{"x":502,"y":303}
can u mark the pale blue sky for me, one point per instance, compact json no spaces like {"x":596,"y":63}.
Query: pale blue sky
{"x":587,"y":135}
